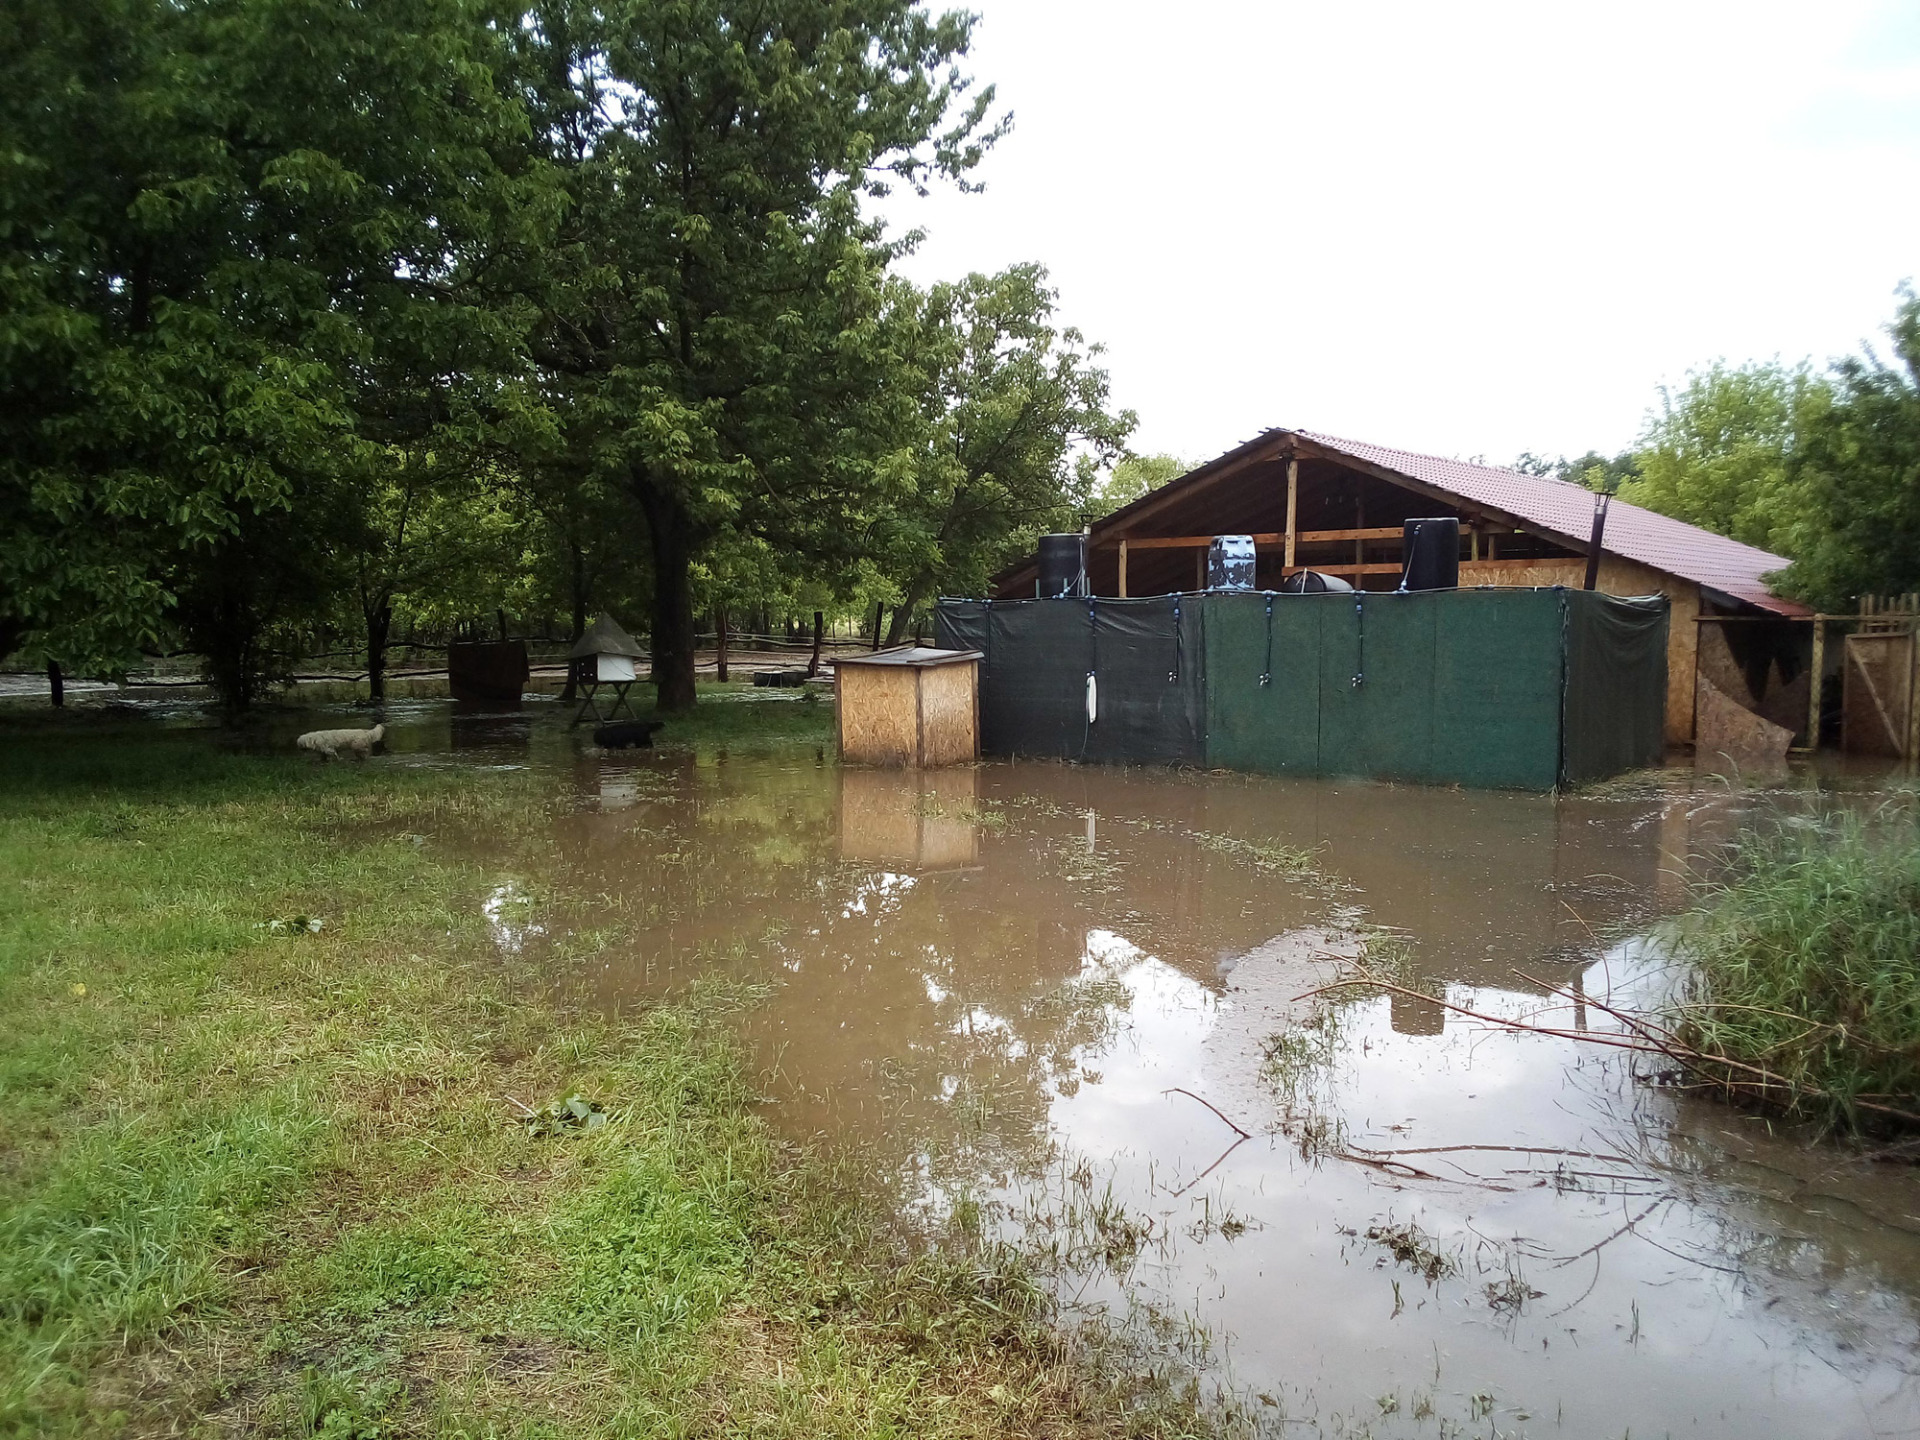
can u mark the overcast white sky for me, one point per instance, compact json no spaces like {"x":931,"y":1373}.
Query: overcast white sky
{"x":1472,"y":228}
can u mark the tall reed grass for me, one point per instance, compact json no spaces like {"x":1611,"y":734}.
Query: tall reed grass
{"x":1804,"y":964}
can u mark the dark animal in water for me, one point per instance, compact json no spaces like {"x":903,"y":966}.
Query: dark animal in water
{"x":626,"y":734}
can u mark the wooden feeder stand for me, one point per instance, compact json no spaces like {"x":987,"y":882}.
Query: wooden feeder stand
{"x":604,"y":656}
{"x":911,"y":706}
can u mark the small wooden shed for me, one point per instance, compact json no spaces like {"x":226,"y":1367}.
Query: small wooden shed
{"x":911,"y":706}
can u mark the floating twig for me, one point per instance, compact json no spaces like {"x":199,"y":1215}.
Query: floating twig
{"x":1178,"y":1090}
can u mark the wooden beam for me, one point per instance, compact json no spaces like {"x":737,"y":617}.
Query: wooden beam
{"x":1490,"y":567}
{"x":1359,"y":532}
{"x":1293,"y":507}
{"x":1173,"y":542}
{"x":1372,"y":567}
{"x":1177,"y":490}
{"x":1263,"y":537}
{"x":1123,"y":567}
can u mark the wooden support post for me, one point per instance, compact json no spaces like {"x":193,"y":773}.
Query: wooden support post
{"x":1913,"y":693}
{"x":1123,"y":567}
{"x":1293,"y":511}
{"x":1813,"y":695}
{"x":1199,"y":569}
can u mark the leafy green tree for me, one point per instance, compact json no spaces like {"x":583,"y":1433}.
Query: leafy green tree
{"x":135,"y":415}
{"x":1015,"y":422}
{"x":426,"y":534}
{"x":712,"y":334}
{"x":238,"y":243}
{"x":1133,"y":477}
{"x":1718,"y":454}
{"x":1856,"y":476}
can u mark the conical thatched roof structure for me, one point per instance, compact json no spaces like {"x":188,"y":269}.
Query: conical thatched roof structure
{"x":603,"y":636}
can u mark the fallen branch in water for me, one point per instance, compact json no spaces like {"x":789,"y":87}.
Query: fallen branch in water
{"x":1642,"y":1037}
{"x":1704,"y":1062}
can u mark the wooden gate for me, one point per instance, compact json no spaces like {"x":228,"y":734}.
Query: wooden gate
{"x":1880,"y":716}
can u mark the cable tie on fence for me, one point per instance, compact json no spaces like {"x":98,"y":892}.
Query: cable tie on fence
{"x":1360,"y":647}
{"x":1266,"y":675}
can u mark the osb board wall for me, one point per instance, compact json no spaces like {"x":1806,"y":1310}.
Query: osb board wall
{"x":1624,"y":577}
{"x":902,"y":715}
{"x":1730,"y":732}
{"x":947,"y":714}
{"x":1784,"y":702}
{"x":878,"y":716}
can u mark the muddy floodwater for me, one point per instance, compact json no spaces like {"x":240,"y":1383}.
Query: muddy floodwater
{"x":1049,"y":999}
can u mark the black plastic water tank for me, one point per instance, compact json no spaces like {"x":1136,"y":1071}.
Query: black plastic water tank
{"x":1063,"y":566}
{"x":1312,"y":582}
{"x":1432,"y":550}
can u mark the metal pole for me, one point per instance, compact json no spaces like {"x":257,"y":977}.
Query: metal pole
{"x":1593,"y":544}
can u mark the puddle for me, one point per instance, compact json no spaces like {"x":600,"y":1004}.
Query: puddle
{"x":1039,"y":987}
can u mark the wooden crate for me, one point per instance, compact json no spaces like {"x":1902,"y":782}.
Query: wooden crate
{"x":911,"y":706}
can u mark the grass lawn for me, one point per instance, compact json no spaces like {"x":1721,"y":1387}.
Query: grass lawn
{"x":261,"y":1179}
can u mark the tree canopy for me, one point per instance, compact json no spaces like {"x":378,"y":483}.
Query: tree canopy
{"x":1855,"y":478}
{"x":1823,"y":468}
{"x":1718,"y":454}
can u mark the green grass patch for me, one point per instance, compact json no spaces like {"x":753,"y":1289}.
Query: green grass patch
{"x":1805,"y":970}
{"x":744,"y":716}
{"x":277,"y":1181}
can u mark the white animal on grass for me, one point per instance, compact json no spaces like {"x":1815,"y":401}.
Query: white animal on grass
{"x":328,"y":744}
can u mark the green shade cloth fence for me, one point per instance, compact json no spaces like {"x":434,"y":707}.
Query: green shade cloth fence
{"x":1491,"y":688}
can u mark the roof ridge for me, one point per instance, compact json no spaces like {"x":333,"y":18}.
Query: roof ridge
{"x":1447,"y":460}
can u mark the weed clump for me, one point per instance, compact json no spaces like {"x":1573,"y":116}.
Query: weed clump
{"x":1804,"y":973}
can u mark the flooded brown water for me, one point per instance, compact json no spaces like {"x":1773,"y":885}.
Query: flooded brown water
{"x":1036,"y":991}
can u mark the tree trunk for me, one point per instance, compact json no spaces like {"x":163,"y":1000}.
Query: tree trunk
{"x":56,"y":683}
{"x":879,"y":619}
{"x":379,"y":629}
{"x":581,"y":598}
{"x":720,"y":642}
{"x":670,"y":530}
{"x":819,"y":633}
{"x":917,"y":594}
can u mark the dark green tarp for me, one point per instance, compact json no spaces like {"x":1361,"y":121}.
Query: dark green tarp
{"x":1491,"y":688}
{"x":1615,"y":717}
{"x":1146,"y":657}
{"x":1450,"y":687}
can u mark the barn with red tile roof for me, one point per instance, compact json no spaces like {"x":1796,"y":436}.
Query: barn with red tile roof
{"x":1319,"y":502}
